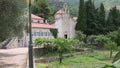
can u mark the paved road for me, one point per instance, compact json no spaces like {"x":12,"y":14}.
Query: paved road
{"x":13,"y":58}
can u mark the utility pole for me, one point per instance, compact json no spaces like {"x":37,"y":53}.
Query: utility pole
{"x":30,"y":49}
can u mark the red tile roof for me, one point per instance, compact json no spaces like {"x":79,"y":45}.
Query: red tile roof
{"x":36,"y":17}
{"x":60,"y":11}
{"x":46,"y":26}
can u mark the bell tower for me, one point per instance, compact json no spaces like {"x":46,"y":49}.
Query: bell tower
{"x":65,"y":8}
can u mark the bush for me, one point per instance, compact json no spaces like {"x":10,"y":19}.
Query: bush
{"x":111,"y":46}
{"x":109,"y":66}
{"x":58,"y":45}
{"x":99,"y":40}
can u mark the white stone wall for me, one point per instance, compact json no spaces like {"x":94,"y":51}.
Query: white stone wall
{"x":66,"y":26}
{"x":58,"y":25}
{"x":57,"y":16}
{"x":72,"y":28}
{"x":39,"y":33}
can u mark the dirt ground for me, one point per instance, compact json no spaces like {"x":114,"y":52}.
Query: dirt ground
{"x":13,"y":58}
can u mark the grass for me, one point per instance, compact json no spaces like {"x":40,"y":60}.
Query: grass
{"x":97,"y":59}
{"x":50,"y":55}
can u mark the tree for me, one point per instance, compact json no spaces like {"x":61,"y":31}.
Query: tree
{"x":113,"y":19}
{"x":60,"y":45}
{"x":99,"y":39}
{"x":118,"y":37}
{"x":101,"y":20}
{"x":91,"y":18}
{"x":113,"y":36}
{"x":41,"y":8}
{"x":11,"y":18}
{"x":111,"y":46}
{"x":80,"y":36}
{"x":63,"y":45}
{"x":81,"y":22}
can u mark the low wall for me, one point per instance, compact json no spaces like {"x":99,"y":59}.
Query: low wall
{"x":38,"y":51}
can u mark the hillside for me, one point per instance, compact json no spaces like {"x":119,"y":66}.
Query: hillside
{"x":74,"y":4}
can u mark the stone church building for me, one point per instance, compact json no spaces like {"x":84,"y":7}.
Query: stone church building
{"x":64,"y":23}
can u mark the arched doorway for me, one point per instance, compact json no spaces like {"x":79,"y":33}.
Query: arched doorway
{"x":65,"y":36}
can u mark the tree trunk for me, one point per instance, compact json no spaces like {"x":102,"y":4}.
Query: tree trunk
{"x":60,"y":58}
{"x":111,"y":53}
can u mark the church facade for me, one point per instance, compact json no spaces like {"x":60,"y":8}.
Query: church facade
{"x":64,"y":23}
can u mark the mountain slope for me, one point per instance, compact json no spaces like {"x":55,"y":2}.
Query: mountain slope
{"x":74,"y":4}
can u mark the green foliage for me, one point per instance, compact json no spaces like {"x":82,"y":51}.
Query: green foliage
{"x":112,"y":36}
{"x":81,"y":22}
{"x":113,"y":19}
{"x":11,"y":18}
{"x":51,"y":18}
{"x":102,"y":39}
{"x":61,"y":45}
{"x":41,"y":8}
{"x":82,"y":44}
{"x":109,"y":66}
{"x":98,"y":59}
{"x":101,"y":22}
{"x":111,"y":46}
{"x":89,"y":60}
{"x":64,"y":45}
{"x":74,"y":4}
{"x":43,"y":41}
{"x":80,"y":36}
{"x":54,"y":32}
{"x":92,"y":48}
{"x":91,"y":18}
{"x":118,"y":37}
{"x":116,"y":60}
{"x":115,"y":36}
{"x":117,"y":57}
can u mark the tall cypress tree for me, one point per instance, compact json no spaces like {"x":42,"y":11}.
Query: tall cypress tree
{"x":118,"y":37}
{"x":102,"y":13}
{"x":91,"y":18}
{"x":81,"y":22}
{"x":113,"y":19}
{"x":101,"y":20}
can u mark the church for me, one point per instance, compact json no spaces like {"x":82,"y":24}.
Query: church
{"x":64,"y":23}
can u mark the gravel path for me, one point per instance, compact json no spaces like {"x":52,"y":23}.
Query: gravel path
{"x":13,"y":58}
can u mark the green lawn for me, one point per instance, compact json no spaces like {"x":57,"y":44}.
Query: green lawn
{"x":98,"y":59}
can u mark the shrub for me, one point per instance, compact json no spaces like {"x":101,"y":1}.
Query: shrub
{"x":109,"y":66}
{"x":111,"y":46}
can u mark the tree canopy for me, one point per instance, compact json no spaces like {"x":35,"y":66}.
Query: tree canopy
{"x":81,"y":22}
{"x":11,"y":18}
{"x":40,"y":8}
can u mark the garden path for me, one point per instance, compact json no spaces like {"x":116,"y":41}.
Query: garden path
{"x":13,"y":58}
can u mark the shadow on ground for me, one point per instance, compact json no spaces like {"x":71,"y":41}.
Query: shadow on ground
{"x":5,"y":65}
{"x":7,"y":55}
